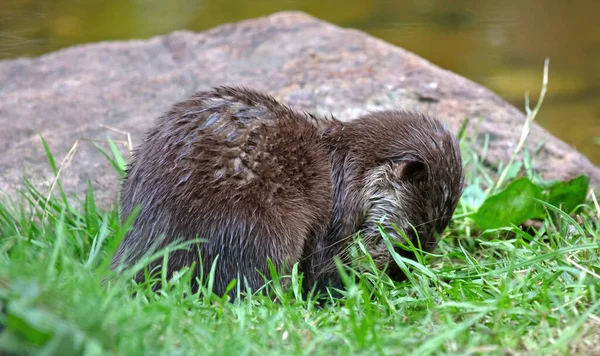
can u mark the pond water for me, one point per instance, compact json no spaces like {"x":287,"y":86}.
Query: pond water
{"x":500,"y":44}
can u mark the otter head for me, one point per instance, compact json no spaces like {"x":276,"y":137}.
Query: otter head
{"x":399,"y":171}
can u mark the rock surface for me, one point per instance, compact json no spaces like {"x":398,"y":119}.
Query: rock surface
{"x":305,"y":62}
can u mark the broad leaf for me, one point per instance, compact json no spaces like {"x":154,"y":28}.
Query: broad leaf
{"x":515,"y":204}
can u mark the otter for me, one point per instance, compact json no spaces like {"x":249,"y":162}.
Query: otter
{"x":258,"y":180}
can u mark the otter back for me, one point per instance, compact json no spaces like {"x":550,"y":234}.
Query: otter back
{"x":237,"y":169}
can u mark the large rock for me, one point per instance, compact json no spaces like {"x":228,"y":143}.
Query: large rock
{"x":307,"y":63}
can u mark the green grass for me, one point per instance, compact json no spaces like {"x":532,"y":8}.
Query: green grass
{"x":499,"y":291}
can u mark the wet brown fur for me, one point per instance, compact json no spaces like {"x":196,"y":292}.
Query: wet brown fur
{"x":257,"y":179}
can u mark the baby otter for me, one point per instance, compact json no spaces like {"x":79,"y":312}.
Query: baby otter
{"x":256,"y":180}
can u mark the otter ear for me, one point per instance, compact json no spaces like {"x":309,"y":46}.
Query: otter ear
{"x":412,"y":171}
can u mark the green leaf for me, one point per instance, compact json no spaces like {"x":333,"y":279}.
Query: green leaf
{"x":49,"y":156}
{"x":55,"y":170}
{"x":568,"y":195}
{"x":91,"y":214}
{"x":120,"y":161}
{"x":116,"y":159}
{"x":32,"y":325}
{"x":515,"y":204}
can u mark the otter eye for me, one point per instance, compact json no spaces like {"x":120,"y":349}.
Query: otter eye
{"x":411,"y":170}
